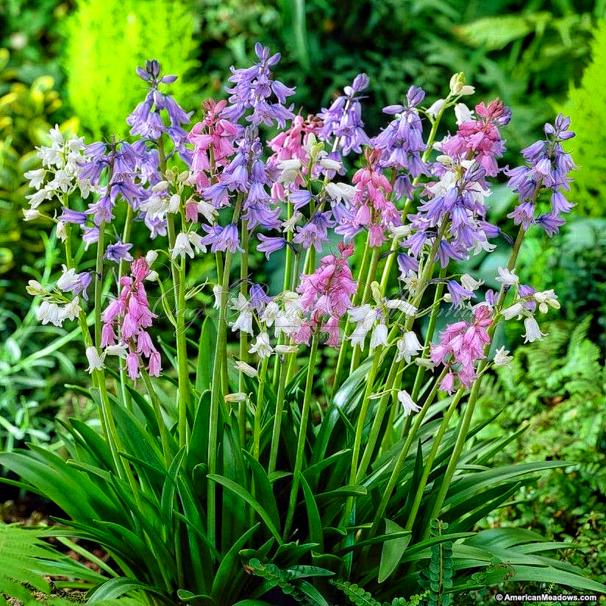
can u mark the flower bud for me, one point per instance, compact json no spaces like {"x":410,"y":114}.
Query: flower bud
{"x":35,"y":288}
{"x":330,"y":164}
{"x":160,"y":186}
{"x":31,"y":214}
{"x":246,"y":369}
{"x":61,"y":233}
{"x":94,"y":359}
{"x":457,"y":85}
{"x":174,"y":203}
{"x":151,"y":257}
{"x":236,"y":397}
{"x":286,"y":349}
{"x":436,"y":108}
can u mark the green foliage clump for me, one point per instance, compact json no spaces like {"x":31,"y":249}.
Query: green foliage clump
{"x":106,"y":38}
{"x":556,"y":389}
{"x":28,"y":109}
{"x":573,"y":263}
{"x":522,"y":53}
{"x":32,"y":369}
{"x":28,"y":562}
{"x":586,"y":105}
{"x":31,"y":30}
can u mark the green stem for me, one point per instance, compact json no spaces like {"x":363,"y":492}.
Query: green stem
{"x":259,"y":409}
{"x":243,"y":335}
{"x":275,"y":437}
{"x":126,"y":398}
{"x":178,"y":274}
{"x":475,"y":390}
{"x":372,"y":269}
{"x":218,"y":386}
{"x":288,"y":276}
{"x":431,"y":328}
{"x":99,"y":284}
{"x":302,"y":436}
{"x":394,"y":372}
{"x":437,"y":441}
{"x":355,"y":455}
{"x":159,"y":418}
{"x":356,"y":301}
{"x":397,"y":470}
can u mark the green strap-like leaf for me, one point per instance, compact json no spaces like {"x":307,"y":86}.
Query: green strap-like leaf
{"x":392,"y":551}
{"x":115,"y":588}
{"x":248,"y":498}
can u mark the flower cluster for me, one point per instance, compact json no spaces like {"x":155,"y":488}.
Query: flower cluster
{"x":219,"y":188}
{"x":125,"y":324}
{"x":548,"y":167}
{"x":146,"y":120}
{"x":326,"y":297}
{"x":461,"y":346}
{"x":59,"y":176}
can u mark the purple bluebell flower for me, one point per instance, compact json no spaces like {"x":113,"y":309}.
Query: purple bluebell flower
{"x":248,"y":174}
{"x":72,"y":216}
{"x":547,"y":168}
{"x":261,"y":214}
{"x":458,"y":293}
{"x":342,"y":121}
{"x":551,"y":223}
{"x":95,"y":164}
{"x":91,"y":235}
{"x":118,"y":252}
{"x":102,"y":210}
{"x":401,"y":142}
{"x":309,"y":235}
{"x":270,"y":245}
{"x":146,"y":119}
{"x":127,"y":189}
{"x":258,"y":297}
{"x":156,"y":225}
{"x":253,"y":89}
{"x":300,"y":198}
{"x":525,"y":290}
{"x":406,"y":264}
{"x":447,"y":252}
{"x":315,"y":232}
{"x":217,"y":195}
{"x":222,"y":238}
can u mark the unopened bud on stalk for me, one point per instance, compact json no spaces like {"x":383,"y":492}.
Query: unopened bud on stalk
{"x":160,"y":186}
{"x":31,"y":214}
{"x":35,"y":288}
{"x":458,"y":87}
{"x":236,"y":397}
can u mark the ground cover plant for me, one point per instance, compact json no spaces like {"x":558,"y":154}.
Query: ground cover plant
{"x":223,"y":472}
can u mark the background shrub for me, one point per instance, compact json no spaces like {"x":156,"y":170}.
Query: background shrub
{"x":585,"y":105}
{"x":106,"y":40}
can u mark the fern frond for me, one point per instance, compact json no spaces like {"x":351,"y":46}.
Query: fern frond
{"x":356,"y":595}
{"x":20,"y":553}
{"x":278,"y":578}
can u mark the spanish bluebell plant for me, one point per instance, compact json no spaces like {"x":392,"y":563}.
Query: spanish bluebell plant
{"x":223,"y":470}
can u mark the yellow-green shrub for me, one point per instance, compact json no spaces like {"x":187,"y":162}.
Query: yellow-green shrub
{"x":587,"y":106}
{"x":107,"y":40}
